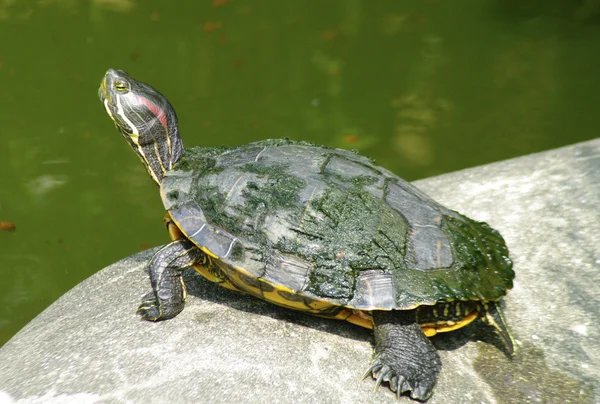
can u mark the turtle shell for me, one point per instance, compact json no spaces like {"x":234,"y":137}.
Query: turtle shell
{"x":318,"y":229}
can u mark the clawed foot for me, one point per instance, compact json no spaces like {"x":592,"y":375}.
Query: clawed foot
{"x":168,"y":295}
{"x":152,"y":309}
{"x":404,"y":357}
{"x":401,"y":378}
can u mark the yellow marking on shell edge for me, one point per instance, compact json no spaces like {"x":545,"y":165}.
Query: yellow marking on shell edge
{"x":273,"y":296}
{"x":342,"y":315}
{"x":234,"y":276}
{"x":175,"y":233}
{"x":271,"y":292}
{"x":219,"y":281}
{"x":360,"y":321}
{"x":206,"y":273}
{"x":202,"y":248}
{"x":351,"y":317}
{"x":208,"y":252}
{"x":319,"y":305}
{"x":431,"y":329}
{"x":279,"y":300}
{"x":316,"y":306}
{"x":230,"y":286}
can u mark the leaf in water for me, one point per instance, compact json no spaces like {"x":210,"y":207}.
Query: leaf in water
{"x":8,"y":226}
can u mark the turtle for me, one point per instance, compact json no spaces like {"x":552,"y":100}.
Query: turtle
{"x":316,"y":229}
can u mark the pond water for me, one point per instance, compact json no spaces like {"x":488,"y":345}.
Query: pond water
{"x":425,"y":88}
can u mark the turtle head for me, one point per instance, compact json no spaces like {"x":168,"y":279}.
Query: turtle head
{"x":145,"y":118}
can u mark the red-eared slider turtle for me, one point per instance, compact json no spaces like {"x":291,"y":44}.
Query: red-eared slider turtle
{"x":320,"y":230}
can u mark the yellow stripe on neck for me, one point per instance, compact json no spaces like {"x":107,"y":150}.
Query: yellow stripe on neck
{"x":135,"y":138}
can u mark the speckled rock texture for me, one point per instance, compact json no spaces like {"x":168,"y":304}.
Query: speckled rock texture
{"x":89,"y":346}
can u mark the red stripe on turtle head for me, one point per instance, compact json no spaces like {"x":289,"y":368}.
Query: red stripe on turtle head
{"x":155,"y":109}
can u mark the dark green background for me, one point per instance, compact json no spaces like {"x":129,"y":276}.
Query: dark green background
{"x":425,"y":87}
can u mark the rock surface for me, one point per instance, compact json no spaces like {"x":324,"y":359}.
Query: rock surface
{"x":89,"y":346}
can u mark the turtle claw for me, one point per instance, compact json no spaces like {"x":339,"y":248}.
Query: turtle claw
{"x":419,"y":391}
{"x":150,"y":308}
{"x":155,"y":309}
{"x":371,"y":371}
{"x":401,"y":380}
{"x":148,"y":313}
{"x":381,"y":376}
{"x":400,"y":385}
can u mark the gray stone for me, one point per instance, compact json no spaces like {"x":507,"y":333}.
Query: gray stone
{"x":89,"y":346}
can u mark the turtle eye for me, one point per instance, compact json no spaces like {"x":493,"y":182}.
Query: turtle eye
{"x":121,"y":86}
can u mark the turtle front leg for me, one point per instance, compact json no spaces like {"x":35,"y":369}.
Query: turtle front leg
{"x":403,"y":356}
{"x":168,"y":290}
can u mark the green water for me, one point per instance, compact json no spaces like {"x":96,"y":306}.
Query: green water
{"x":424,"y":87}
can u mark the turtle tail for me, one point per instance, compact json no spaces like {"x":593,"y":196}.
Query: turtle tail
{"x":492,"y":315}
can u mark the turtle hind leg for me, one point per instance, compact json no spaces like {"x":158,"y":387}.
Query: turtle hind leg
{"x":168,"y":290}
{"x":403,"y":356}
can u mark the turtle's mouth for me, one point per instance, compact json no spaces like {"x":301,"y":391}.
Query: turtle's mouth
{"x":103,"y":92}
{"x":106,"y":95}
